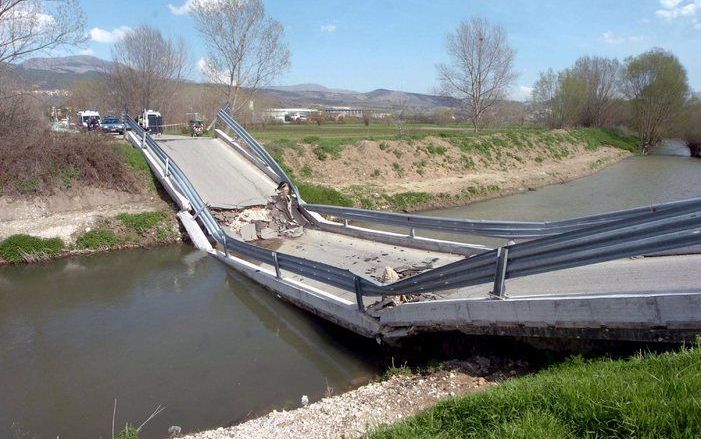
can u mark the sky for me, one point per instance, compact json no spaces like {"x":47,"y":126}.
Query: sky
{"x":364,"y":45}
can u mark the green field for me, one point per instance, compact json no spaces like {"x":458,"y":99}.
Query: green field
{"x":646,"y":396}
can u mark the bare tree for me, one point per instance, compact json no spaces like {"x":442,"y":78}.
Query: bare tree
{"x":656,"y":84}
{"x":31,"y":26}
{"x":246,"y":49}
{"x":148,"y":68}
{"x":546,"y":92}
{"x":600,"y":77}
{"x":482,"y":67}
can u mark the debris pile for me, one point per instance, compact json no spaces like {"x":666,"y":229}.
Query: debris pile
{"x":277,"y":219}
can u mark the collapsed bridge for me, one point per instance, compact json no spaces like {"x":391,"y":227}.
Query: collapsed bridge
{"x":628,"y":275}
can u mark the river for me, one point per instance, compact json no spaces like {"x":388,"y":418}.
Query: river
{"x":172,"y":326}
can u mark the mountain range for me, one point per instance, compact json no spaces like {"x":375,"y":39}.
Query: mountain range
{"x":61,"y":72}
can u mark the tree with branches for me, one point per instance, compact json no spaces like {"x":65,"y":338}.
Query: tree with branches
{"x":31,"y":26}
{"x":246,"y":48}
{"x":481,"y":71}
{"x":656,"y":84}
{"x":147,"y":68}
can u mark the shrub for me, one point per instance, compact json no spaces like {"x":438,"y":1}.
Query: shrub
{"x":97,"y":238}
{"x":20,"y":248}
{"x":318,"y":194}
{"x":39,"y":161}
{"x":141,"y":222}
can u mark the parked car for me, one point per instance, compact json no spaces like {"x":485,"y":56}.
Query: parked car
{"x":112,"y":124}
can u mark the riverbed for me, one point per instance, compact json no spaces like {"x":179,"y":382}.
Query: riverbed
{"x":172,"y":326}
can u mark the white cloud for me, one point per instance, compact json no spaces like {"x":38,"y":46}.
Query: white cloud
{"x":328,"y":28}
{"x":183,"y":9}
{"x":210,"y":73}
{"x":673,"y":9}
{"x":105,"y":36}
{"x":186,"y":7}
{"x":669,"y":4}
{"x":87,"y":51}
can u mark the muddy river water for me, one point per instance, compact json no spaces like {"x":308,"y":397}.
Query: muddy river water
{"x":174,"y":327}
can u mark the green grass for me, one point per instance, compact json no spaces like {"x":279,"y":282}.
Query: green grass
{"x":18,"y":248}
{"x":319,"y":194}
{"x":98,"y":238}
{"x":142,"y":222}
{"x":650,"y":396}
{"x":407,"y":200}
{"x":595,"y":137}
{"x":134,"y":157}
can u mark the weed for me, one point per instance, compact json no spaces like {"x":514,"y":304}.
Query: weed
{"x":376,"y":173}
{"x":318,"y":194}
{"x":98,"y":238}
{"x":307,"y":171}
{"x":18,"y":248}
{"x":398,"y":169}
{"x":142,"y":222}
{"x":408,"y":200}
{"x":433,"y":150}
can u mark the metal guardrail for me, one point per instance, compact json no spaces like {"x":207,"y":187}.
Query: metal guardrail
{"x":180,"y":181}
{"x":566,"y":244}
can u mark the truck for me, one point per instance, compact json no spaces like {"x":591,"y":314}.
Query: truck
{"x":151,"y":121}
{"x":88,"y":120}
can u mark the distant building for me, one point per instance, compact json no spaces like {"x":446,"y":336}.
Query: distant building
{"x":288,"y":114}
{"x":339,"y":112}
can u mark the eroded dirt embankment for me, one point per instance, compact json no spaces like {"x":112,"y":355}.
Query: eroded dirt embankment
{"x":437,"y":172}
{"x":67,"y":213}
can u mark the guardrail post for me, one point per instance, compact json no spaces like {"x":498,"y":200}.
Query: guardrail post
{"x":345,"y":222}
{"x":359,"y":294}
{"x":199,"y":211}
{"x":277,"y":266}
{"x":500,"y":275}
{"x":143,"y":140}
{"x":412,"y":232}
{"x":167,"y":168}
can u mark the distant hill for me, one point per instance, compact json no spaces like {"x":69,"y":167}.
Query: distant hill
{"x":305,"y":95}
{"x":60,"y":72}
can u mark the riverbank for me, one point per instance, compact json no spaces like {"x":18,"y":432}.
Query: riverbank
{"x":352,"y":414}
{"x":445,"y":169}
{"x":650,"y":395}
{"x":68,"y":203}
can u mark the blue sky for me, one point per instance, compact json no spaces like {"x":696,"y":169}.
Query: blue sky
{"x":367,"y":44}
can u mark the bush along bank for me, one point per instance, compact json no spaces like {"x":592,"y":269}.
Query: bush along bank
{"x":441,"y":169}
{"x":125,"y":230}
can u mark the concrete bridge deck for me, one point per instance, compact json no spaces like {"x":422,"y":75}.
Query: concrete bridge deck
{"x":225,"y":179}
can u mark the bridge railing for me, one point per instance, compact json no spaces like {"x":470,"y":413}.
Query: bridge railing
{"x":179,"y":180}
{"x":606,"y":237}
{"x":498,"y":229}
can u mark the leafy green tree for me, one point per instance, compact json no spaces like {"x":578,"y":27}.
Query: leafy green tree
{"x":656,"y":84}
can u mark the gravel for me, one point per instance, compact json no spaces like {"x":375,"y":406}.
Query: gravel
{"x":354,"y":413}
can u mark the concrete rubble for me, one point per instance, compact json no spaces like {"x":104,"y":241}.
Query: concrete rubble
{"x":277,"y":219}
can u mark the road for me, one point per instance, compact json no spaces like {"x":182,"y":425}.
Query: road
{"x":221,"y":176}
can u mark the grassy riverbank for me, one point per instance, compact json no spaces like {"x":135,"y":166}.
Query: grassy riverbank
{"x":424,"y":166}
{"x":73,"y":194}
{"x":644,"y":396}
